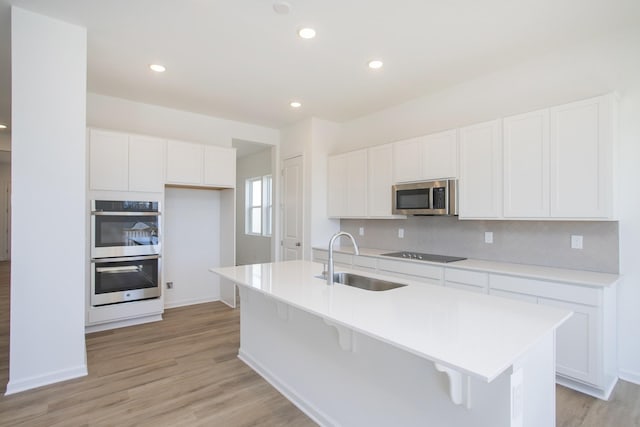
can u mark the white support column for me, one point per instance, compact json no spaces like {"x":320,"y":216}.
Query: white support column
{"x":49,"y":209}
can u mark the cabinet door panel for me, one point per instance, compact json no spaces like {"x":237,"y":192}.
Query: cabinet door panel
{"x":108,"y":161}
{"x":577,"y":342}
{"x":184,"y":162}
{"x":481,"y":170}
{"x":407,"y":165}
{"x":146,"y":164}
{"x":581,"y":159}
{"x":526,"y":165}
{"x":380,"y":165}
{"x":219,"y":166}
{"x":357,"y":184}
{"x":440,"y":155}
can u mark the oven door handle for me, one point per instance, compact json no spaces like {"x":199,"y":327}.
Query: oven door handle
{"x":124,"y":259}
{"x":100,"y":213}
{"x":121,"y":269}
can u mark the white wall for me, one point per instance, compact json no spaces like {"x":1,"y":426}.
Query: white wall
{"x":191,"y":245}
{"x":121,"y":114}
{"x":47,"y":268}
{"x":604,"y":65}
{"x":251,"y":249}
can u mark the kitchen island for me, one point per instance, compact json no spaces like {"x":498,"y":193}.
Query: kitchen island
{"x":415,"y":355}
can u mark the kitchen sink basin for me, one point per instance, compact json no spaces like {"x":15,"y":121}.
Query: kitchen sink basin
{"x":362,"y":282}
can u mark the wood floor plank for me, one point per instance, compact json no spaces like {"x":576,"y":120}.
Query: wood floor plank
{"x":184,"y":371}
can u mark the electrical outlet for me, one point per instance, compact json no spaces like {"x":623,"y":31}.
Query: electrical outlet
{"x":488,"y":236}
{"x":361,"y":231}
{"x":400,"y":233}
{"x":169,"y":285}
{"x":576,"y":241}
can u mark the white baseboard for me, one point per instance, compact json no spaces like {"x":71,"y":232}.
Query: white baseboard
{"x":42,"y":380}
{"x":185,"y":302}
{"x":122,"y":323}
{"x":305,"y":406}
{"x":632,"y":377}
{"x":600,"y":393}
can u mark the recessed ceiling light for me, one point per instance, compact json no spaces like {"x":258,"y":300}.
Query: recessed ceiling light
{"x":3,"y":126}
{"x":158,"y":68}
{"x":375,"y":64}
{"x":295,"y":104}
{"x":307,"y":33}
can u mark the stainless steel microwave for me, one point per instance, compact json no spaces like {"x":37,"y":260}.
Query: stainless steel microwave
{"x":437,"y":197}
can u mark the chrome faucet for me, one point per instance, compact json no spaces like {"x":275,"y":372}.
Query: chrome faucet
{"x":330,"y":260}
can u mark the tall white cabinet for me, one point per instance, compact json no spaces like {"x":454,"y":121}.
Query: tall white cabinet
{"x":526,"y":165}
{"x":581,"y":158}
{"x":481,"y":171}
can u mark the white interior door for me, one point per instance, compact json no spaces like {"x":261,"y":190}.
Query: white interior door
{"x":292,"y":182}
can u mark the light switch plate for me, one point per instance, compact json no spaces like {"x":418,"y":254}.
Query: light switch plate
{"x":488,"y":236}
{"x":576,"y":241}
{"x":361,"y":231}
{"x":401,"y":233}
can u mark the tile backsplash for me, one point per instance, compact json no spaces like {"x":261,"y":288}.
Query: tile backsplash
{"x":546,"y":243}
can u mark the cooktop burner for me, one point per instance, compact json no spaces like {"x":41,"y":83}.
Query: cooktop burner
{"x":424,"y":257}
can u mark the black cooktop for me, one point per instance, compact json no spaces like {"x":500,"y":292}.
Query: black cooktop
{"x":424,"y":257}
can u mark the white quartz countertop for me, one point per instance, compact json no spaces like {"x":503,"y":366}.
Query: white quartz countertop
{"x":476,"y":334}
{"x":576,"y":277}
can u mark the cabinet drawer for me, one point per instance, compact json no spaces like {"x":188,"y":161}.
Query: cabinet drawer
{"x":513,"y":295}
{"x":343,"y":259}
{"x":365,"y":262}
{"x":465,"y":287}
{"x":411,"y":269}
{"x":319,"y":255}
{"x":542,"y":288}
{"x":466,"y":277}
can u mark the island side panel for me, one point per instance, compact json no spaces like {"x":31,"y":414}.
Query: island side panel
{"x":370,"y":383}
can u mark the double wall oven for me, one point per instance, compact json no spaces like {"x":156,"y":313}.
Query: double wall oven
{"x":125,"y":251}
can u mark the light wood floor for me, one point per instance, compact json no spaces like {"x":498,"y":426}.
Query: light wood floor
{"x":183,"y":371}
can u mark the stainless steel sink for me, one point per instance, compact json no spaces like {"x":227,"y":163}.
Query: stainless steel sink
{"x":362,"y":282}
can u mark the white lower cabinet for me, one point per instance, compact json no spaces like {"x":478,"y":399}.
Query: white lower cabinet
{"x":586,"y":358}
{"x":585,"y":343}
{"x":577,"y":342}
{"x":466,"y":280}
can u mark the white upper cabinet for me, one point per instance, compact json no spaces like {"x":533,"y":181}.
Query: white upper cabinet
{"x":427,"y":157}
{"x":407,"y":161}
{"x":440,"y":155}
{"x":347,"y":185}
{"x":526,"y":165}
{"x":200,"y":165}
{"x":122,"y":162}
{"x":481,"y":171}
{"x":581,"y":159}
{"x":380,"y":167}
{"x":219,"y":166}
{"x":558,"y":162}
{"x":108,"y":160}
{"x":146,"y":164}
{"x":184,"y":163}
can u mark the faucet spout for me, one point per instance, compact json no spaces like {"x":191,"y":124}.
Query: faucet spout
{"x":356,"y":251}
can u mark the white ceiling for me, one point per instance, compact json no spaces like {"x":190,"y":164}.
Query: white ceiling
{"x":240,"y":60}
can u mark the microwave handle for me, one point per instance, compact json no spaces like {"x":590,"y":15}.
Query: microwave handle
{"x":430,"y":198}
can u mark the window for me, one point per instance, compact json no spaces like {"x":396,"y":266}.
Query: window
{"x":259,"y":207}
